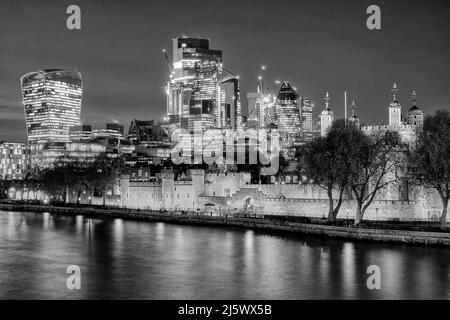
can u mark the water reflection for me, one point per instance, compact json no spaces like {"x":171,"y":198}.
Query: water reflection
{"x":140,"y":260}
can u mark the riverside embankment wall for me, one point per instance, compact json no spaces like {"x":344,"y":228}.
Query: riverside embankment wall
{"x":261,"y":223}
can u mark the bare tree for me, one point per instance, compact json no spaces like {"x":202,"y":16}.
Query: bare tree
{"x":328,"y":161}
{"x":430,"y":161}
{"x":375,"y":165}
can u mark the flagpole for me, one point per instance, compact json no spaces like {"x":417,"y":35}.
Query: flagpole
{"x":345,"y":104}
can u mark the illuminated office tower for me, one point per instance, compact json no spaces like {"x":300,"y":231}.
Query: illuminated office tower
{"x":288,"y":116}
{"x":307,"y":122}
{"x":193,"y":89}
{"x":254,"y":109}
{"x":230,"y":104}
{"x":261,"y":110}
{"x":52,"y":101}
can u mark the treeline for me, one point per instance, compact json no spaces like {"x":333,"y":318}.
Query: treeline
{"x":69,"y":175}
{"x":348,"y":160}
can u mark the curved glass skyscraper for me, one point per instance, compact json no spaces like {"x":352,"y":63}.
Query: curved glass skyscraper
{"x":288,"y":116}
{"x":52,"y":101}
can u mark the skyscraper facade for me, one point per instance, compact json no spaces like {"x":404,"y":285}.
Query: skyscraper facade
{"x":288,"y":116}
{"x":307,"y":120}
{"x":230,"y":104}
{"x":193,"y":92}
{"x":52,"y":101}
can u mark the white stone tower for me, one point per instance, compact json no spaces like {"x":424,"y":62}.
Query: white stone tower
{"x":326,"y":117}
{"x":395,"y":109}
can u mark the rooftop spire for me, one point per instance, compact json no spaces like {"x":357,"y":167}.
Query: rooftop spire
{"x":327,"y":100}
{"x":414,"y":97}
{"x":394,"y":91}
{"x":353,"y":109}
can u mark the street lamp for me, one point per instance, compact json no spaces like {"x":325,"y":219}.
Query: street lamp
{"x":323,"y":211}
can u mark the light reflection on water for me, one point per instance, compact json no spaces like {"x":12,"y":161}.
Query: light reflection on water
{"x":143,"y":260}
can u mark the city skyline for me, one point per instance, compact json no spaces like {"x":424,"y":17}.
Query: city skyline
{"x":128,"y":82}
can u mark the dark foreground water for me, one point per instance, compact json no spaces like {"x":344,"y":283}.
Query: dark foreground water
{"x":141,"y":260}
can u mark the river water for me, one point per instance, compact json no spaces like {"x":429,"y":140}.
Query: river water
{"x":121,"y":259}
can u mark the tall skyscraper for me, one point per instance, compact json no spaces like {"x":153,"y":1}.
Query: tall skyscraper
{"x":52,"y":101}
{"x":288,"y":116}
{"x":307,"y":122}
{"x":193,"y":92}
{"x":230,"y":103}
{"x":255,"y":110}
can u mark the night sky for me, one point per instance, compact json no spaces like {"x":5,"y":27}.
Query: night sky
{"x":318,"y":46}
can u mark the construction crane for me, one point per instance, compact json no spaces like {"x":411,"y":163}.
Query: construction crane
{"x":164,"y":52}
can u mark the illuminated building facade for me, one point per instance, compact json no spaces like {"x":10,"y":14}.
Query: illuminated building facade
{"x":307,"y":119}
{"x":254,"y":109}
{"x":47,"y":155}
{"x":288,"y":117}
{"x":112,"y":130}
{"x":52,"y":101}
{"x":230,"y":104}
{"x":261,"y":109}
{"x":80,"y":132}
{"x":14,"y":161}
{"x":193,"y":92}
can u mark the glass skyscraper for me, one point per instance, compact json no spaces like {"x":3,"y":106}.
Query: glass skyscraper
{"x":307,"y":122}
{"x":288,"y":116}
{"x":52,"y":101}
{"x":230,"y":105}
{"x":193,"y":92}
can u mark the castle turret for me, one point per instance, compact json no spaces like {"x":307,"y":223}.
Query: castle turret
{"x":326,"y":117}
{"x":415,"y":115}
{"x":395,"y":109}
{"x":354,"y":119}
{"x":167,"y":178}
